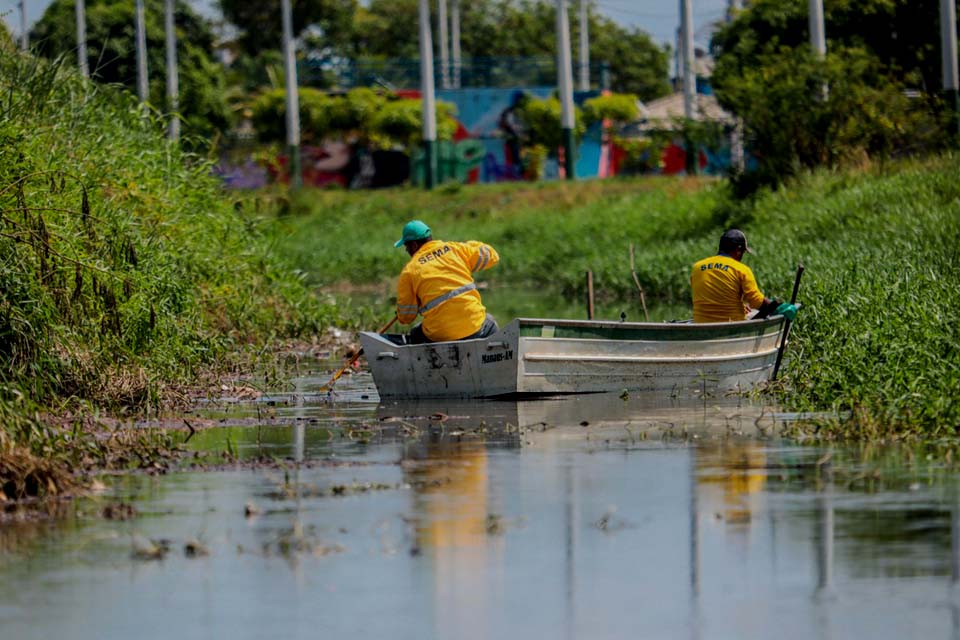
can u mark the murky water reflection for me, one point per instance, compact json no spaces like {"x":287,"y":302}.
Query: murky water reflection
{"x":586,"y":517}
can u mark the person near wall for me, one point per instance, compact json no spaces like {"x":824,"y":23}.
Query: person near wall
{"x":438,"y":284}
{"x":725,"y":289}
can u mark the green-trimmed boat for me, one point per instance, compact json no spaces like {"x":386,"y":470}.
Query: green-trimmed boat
{"x":546,"y":357}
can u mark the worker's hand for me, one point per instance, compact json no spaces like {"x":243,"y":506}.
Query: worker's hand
{"x":787,"y":310}
{"x":767,"y":309}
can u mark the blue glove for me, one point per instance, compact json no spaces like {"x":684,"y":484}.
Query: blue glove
{"x":787,"y":310}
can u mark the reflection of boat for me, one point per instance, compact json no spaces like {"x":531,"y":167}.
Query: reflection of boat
{"x":574,"y":418}
{"x":538,"y":357}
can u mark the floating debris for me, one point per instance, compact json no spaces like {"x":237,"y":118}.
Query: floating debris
{"x":147,"y":549}
{"x":119,"y":511}
{"x":497,"y":525}
{"x":250,"y":510}
{"x":608,"y":522}
{"x":193,"y":548}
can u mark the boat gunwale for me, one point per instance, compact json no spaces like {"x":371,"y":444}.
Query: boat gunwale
{"x":660,"y":326}
{"x":535,"y":357}
{"x":738,"y":329}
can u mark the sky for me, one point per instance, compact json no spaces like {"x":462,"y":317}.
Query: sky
{"x":659,"y":18}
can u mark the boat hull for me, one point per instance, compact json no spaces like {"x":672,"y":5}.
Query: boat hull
{"x":544,"y":357}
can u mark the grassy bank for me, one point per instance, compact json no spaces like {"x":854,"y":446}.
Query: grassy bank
{"x":124,"y":269}
{"x":878,"y":335}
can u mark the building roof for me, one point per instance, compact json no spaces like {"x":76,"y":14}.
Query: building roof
{"x":662,"y":112}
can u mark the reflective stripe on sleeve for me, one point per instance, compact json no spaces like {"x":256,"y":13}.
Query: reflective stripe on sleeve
{"x":449,"y":294}
{"x":482,"y":259}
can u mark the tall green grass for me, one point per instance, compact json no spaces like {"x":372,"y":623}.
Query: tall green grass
{"x":878,"y":334}
{"x":123,"y":266}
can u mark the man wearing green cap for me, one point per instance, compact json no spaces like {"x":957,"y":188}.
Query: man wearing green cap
{"x":438,"y":284}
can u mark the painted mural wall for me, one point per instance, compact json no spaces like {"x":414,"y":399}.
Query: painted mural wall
{"x":480,"y":152}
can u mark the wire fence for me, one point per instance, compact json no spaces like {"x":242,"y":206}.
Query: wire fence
{"x":404,"y":73}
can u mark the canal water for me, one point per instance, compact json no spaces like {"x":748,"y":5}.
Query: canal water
{"x":581,"y":517}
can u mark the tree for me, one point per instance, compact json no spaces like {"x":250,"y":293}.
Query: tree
{"x":6,"y":40}
{"x":261,"y":28}
{"x":361,"y":115}
{"x":111,"y":54}
{"x":800,"y":111}
{"x":903,"y":35}
{"x":617,"y":108}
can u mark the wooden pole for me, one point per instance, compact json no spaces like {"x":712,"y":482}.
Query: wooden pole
{"x":636,"y":281}
{"x":589,"y":295}
{"x":787,"y":323}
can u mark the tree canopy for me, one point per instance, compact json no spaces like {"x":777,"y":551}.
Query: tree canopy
{"x":875,"y":92}
{"x":388,"y":30}
{"x":361,"y":115}
{"x":516,"y":28}
{"x":902,"y":35}
{"x":261,"y":27}
{"x":111,"y":54}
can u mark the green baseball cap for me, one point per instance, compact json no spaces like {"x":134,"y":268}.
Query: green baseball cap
{"x":413,"y":230}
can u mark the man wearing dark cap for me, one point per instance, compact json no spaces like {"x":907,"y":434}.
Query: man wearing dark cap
{"x":437,"y":283}
{"x":724,"y":287}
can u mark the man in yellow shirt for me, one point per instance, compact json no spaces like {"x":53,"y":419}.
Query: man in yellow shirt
{"x":722,"y":285}
{"x":438,"y":284}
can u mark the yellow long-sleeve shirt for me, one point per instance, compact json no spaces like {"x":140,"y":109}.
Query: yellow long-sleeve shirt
{"x":721,"y":286}
{"x":438,"y":284}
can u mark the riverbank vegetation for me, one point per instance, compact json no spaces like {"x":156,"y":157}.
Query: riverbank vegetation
{"x":124,"y":269}
{"x":878,"y":334}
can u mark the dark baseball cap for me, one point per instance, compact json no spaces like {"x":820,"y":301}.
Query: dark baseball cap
{"x":734,"y":239}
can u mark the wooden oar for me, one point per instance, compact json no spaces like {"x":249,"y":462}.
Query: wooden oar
{"x":786,"y":327}
{"x":355,"y":357}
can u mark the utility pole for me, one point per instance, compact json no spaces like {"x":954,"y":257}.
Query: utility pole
{"x":948,"y":47}
{"x":293,"y":97}
{"x":82,"y":38}
{"x":584,"y":47}
{"x":689,"y":81}
{"x":173,"y":77}
{"x":677,"y":82}
{"x":429,"y":106}
{"x":565,"y":82}
{"x":455,"y":40}
{"x":444,"y":51}
{"x":736,"y":136}
{"x":24,"y":34}
{"x":818,"y":41}
{"x":817,"y":38}
{"x":686,"y":46}
{"x":142,"y":85}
